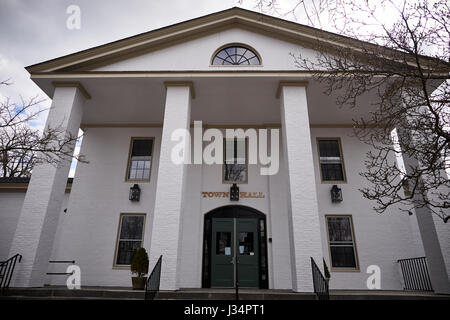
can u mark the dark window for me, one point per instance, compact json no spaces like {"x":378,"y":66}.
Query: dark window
{"x":235,"y":164}
{"x":341,"y":241}
{"x":140,"y":159}
{"x":331,"y":164}
{"x":246,"y":243}
{"x":130,"y":238}
{"x":236,"y":55}
{"x":223,"y":243}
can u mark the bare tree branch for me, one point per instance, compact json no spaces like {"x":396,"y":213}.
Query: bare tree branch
{"x":23,"y":146}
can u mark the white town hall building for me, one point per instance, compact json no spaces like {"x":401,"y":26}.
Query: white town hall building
{"x":231,"y":69}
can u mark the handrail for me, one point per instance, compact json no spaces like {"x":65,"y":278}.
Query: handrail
{"x":152,"y":283}
{"x":60,"y":273}
{"x":62,"y":261}
{"x":319,"y":282}
{"x":415,"y":274}
{"x":7,"y":270}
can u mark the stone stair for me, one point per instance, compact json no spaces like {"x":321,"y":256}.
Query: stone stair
{"x":124,"y":293}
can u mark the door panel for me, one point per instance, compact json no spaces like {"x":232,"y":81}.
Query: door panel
{"x":248,"y":252}
{"x":222,"y":252}
{"x":224,"y":243}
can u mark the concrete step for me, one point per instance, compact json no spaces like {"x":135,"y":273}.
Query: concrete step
{"x":64,"y":293}
{"x":123,"y":293}
{"x":230,"y":295}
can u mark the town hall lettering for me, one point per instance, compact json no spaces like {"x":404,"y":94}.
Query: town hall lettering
{"x":242,"y":194}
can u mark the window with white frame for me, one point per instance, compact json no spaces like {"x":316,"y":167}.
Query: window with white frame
{"x":140,"y":159}
{"x":342,"y":242}
{"x":330,"y":158}
{"x":235,"y":161}
{"x":130,"y":237}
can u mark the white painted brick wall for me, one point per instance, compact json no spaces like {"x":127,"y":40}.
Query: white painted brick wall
{"x":88,"y":231}
{"x":38,"y":219}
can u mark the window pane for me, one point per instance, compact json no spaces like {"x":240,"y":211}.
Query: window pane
{"x":339,"y":229}
{"x":132,"y":227}
{"x":235,"y":168}
{"x":229,"y":151}
{"x":235,"y":172}
{"x":140,"y":158}
{"x":239,"y":151}
{"x":223,"y":243}
{"x":329,"y":148}
{"x":142,"y":147}
{"x":246,"y":243}
{"x":236,"y":55}
{"x":343,"y":257}
{"x":332,"y":172}
{"x":126,"y":251}
{"x":330,"y":160}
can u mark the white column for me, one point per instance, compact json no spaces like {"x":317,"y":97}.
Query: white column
{"x":38,"y":219}
{"x":303,"y":210}
{"x":432,"y":247}
{"x":166,"y":230}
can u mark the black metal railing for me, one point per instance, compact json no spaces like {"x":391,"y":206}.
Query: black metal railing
{"x":320,"y":282}
{"x":7,"y":270}
{"x":61,"y":273}
{"x":152,"y":284}
{"x":415,"y":274}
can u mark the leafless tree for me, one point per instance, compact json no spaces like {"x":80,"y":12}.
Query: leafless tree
{"x":405,"y":62}
{"x":23,"y":146}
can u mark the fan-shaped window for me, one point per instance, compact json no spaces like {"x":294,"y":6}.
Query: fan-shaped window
{"x":236,"y":55}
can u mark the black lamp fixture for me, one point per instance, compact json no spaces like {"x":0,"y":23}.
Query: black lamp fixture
{"x":336,"y":194}
{"x":135,"y":192}
{"x":234,"y":192}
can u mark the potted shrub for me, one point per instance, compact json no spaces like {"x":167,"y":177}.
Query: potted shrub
{"x":139,"y":267}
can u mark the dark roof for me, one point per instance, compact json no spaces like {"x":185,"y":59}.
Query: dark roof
{"x":22,"y":180}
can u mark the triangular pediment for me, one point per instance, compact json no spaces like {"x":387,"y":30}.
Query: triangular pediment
{"x":234,"y":18}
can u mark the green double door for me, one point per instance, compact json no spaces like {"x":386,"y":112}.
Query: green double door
{"x":235,"y":239}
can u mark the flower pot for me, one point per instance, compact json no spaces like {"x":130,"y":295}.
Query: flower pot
{"x":138,"y":283}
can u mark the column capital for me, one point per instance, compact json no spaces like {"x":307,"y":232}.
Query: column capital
{"x":74,"y":84}
{"x":281,"y":84}
{"x":189,"y":84}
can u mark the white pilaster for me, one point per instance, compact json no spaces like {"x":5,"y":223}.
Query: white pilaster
{"x":303,"y":210}
{"x":39,"y":216}
{"x":432,"y":247}
{"x":166,"y":230}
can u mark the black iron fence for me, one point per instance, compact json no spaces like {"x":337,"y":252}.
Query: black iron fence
{"x":7,"y":270}
{"x":415,"y":274}
{"x":320,"y":282}
{"x":152,"y":284}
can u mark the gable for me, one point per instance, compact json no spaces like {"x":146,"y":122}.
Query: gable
{"x":196,"y":54}
{"x":234,"y":18}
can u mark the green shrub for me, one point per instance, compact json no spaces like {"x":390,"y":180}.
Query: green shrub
{"x":325,"y":270}
{"x":139,"y":263}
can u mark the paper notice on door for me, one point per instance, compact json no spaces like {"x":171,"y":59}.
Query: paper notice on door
{"x":228,"y":251}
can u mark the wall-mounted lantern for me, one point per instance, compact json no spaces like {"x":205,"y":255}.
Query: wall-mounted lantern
{"x":336,"y":194}
{"x":234,"y":192}
{"x":135,"y":193}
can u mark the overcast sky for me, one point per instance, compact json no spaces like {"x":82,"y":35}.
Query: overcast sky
{"x":33,"y":31}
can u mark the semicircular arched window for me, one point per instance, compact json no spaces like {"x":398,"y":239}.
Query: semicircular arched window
{"x":236,"y":55}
